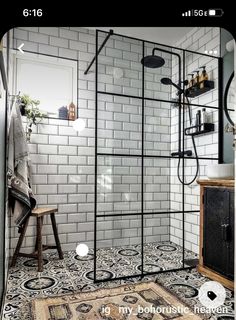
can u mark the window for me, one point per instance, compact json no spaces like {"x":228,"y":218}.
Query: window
{"x":51,"y":80}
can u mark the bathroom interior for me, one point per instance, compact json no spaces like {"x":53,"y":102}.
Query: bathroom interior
{"x":128,"y":145}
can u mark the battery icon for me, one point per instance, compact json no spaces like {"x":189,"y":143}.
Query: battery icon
{"x":215,"y":12}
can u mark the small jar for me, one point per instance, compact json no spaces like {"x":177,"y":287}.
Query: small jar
{"x":63,"y":112}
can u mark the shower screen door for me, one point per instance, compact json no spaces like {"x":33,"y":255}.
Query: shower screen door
{"x":139,"y":229}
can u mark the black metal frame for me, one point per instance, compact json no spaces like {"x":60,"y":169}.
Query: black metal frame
{"x":226,"y":110}
{"x":181,"y":103}
{"x":98,"y":51}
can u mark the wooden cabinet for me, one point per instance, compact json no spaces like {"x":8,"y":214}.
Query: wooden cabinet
{"x":216,"y":256}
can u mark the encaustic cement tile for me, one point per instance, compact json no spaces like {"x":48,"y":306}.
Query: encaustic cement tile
{"x":75,"y":274}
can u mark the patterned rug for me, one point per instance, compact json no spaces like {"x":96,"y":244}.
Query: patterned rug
{"x":145,"y":301}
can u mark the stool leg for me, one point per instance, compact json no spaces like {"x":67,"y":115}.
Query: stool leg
{"x":40,"y":245}
{"x":36,"y":242}
{"x":54,"y":226}
{"x":19,"y":243}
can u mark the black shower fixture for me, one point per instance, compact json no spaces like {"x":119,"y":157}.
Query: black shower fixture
{"x":168,"y":81}
{"x":153,"y":61}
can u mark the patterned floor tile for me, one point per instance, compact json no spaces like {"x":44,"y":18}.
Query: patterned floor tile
{"x":75,"y":274}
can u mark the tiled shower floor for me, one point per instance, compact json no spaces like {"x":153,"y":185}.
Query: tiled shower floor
{"x":75,"y":274}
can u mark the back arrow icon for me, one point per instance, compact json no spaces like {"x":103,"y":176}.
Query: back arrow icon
{"x":20,"y":48}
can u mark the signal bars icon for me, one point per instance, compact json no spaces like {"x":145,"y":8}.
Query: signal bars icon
{"x":187,"y":13}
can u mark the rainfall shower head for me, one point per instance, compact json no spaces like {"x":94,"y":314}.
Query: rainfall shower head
{"x":153,"y":61}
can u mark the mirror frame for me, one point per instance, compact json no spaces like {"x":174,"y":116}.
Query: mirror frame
{"x":225,"y":99}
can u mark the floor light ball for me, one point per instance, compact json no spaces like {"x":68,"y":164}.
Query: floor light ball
{"x":79,"y":125}
{"x":82,"y":249}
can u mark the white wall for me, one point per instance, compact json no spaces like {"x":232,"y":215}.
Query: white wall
{"x":63,"y":161}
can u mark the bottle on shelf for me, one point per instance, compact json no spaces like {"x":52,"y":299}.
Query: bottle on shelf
{"x":203,"y":77}
{"x":204,"y":116}
{"x":196,"y":79}
{"x":191,"y":82}
{"x":198,"y":121}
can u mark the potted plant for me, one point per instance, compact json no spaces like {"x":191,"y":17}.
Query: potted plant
{"x":29,"y":108}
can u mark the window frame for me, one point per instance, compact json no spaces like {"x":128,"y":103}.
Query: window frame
{"x":48,"y":59}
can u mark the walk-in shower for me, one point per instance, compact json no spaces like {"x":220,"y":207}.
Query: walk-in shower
{"x":137,"y":133}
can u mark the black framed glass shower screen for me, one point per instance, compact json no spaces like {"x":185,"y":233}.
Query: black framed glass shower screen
{"x":133,"y":168}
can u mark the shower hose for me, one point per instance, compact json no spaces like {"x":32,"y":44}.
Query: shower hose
{"x":195,"y":151}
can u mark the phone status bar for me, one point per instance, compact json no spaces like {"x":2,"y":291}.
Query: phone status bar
{"x":203,"y":13}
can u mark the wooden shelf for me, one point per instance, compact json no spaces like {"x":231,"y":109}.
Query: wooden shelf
{"x":216,"y":182}
{"x":194,"y":91}
{"x":207,"y":272}
{"x":202,"y":128}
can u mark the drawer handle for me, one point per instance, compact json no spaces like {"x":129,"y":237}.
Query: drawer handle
{"x":225,"y":232}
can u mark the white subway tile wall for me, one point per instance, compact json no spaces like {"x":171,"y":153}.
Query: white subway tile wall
{"x":198,"y":40}
{"x":63,"y":160}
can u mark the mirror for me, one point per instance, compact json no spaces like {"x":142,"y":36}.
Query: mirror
{"x":230,"y":100}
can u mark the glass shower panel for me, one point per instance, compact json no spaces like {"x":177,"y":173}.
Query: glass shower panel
{"x":119,"y":67}
{"x":157,"y":128}
{"x":118,"y":185}
{"x":156,"y":185}
{"x":184,"y":198}
{"x":153,"y":88}
{"x":118,"y":225}
{"x":159,"y":252}
{"x":118,"y":246}
{"x":119,"y":125}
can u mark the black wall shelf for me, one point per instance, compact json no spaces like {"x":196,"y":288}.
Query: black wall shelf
{"x":199,"y":129}
{"x":194,"y":91}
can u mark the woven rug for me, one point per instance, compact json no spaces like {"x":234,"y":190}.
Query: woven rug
{"x":147,"y":301}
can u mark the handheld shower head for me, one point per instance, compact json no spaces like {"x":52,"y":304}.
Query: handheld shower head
{"x":153,"y":61}
{"x":168,"y":81}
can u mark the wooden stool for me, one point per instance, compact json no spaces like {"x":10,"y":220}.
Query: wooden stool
{"x":39,"y":213}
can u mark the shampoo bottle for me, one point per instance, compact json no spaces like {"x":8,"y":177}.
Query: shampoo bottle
{"x":204,"y":116}
{"x":196,"y":79}
{"x":203,"y":77}
{"x":198,"y":121}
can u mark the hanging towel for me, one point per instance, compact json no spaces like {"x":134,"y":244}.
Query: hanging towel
{"x":21,"y":198}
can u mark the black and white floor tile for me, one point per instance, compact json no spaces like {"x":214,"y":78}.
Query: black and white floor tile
{"x":75,"y":274}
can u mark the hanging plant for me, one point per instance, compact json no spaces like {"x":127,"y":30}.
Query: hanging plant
{"x":29,"y":108}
